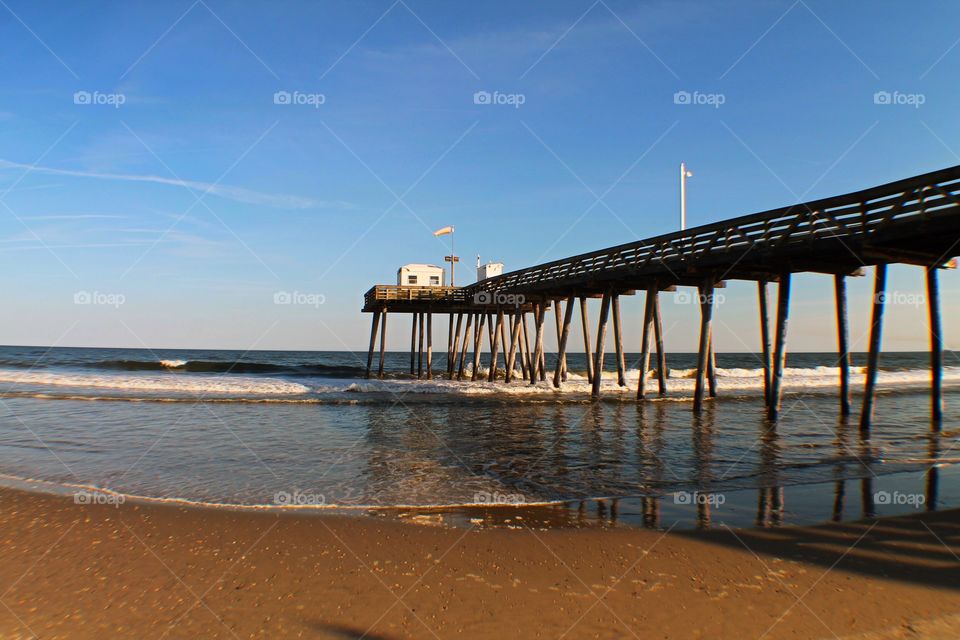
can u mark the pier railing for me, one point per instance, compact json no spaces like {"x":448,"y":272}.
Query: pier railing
{"x":854,"y":220}
{"x":383,"y":293}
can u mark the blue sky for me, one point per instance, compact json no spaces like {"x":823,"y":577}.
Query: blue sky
{"x":198,"y":198}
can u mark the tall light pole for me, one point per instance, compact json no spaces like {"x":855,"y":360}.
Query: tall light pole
{"x":684,"y":174}
{"x":453,"y":259}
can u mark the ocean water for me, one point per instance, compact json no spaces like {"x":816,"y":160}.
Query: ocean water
{"x":285,"y":430}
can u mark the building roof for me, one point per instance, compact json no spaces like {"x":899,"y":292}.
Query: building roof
{"x":420,"y":265}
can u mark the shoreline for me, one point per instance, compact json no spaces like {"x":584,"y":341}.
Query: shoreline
{"x":801,"y":504}
{"x":154,"y":570}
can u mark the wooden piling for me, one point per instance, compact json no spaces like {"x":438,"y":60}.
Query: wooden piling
{"x":873,"y":356}
{"x":429,"y":345}
{"x":645,"y":340}
{"x":703,"y":354}
{"x":450,"y":346}
{"x":662,"y":370}
{"x":495,"y":347}
{"x":452,"y":360}
{"x":764,"y":338}
{"x":843,"y":349}
{"x":503,"y":339}
{"x":598,"y":354}
{"x":538,"y":348}
{"x":514,"y":344}
{"x":712,"y":369}
{"x":463,"y":347}
{"x":477,"y":345}
{"x":542,"y":371}
{"x":618,"y":342}
{"x":585,"y":324}
{"x":525,"y":357}
{"x":413,"y":343}
{"x":561,"y":357}
{"x":564,"y":335}
{"x":780,"y":348}
{"x":420,"y":346}
{"x":936,"y":348}
{"x":374,"y":326}
{"x":383,"y":341}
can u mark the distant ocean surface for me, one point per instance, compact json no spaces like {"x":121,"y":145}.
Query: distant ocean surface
{"x":261,"y":427}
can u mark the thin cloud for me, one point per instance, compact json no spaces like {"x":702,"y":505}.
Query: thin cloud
{"x":77,"y":216}
{"x":237,"y":194}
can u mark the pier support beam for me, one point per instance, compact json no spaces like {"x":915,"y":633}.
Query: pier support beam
{"x":463,"y":347}
{"x":712,"y":369}
{"x":383,"y":341}
{"x":413,"y":343}
{"x":843,"y":348}
{"x":429,"y":345}
{"x":420,"y":347}
{"x":662,"y":370}
{"x":454,"y":349}
{"x":450,"y":346}
{"x":503,"y":339}
{"x":537,"y":361}
{"x":873,"y":356}
{"x":477,"y":345}
{"x":561,"y":354}
{"x":780,"y":348}
{"x":495,"y":347}
{"x":936,"y":348}
{"x":526,"y":359}
{"x":374,"y":326}
{"x":703,"y":354}
{"x":764,"y":338}
{"x":618,"y":342}
{"x":585,"y":324}
{"x":645,"y":340}
{"x":563,"y":336}
{"x":601,"y":335}
{"x":514,"y":344}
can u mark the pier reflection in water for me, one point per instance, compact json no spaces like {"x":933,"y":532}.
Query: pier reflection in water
{"x":633,"y":459}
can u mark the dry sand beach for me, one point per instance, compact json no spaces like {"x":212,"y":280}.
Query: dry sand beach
{"x":161,"y":571}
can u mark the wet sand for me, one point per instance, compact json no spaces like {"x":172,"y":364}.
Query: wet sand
{"x":160,"y":571}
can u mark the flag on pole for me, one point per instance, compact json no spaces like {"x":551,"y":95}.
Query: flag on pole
{"x":444,"y":231}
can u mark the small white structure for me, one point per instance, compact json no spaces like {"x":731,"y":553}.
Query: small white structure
{"x":421,"y":275}
{"x":489,"y":270}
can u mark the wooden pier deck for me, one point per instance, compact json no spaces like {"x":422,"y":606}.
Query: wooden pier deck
{"x":913,"y":221}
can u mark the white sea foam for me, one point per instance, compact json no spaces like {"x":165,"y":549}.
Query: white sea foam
{"x":194,"y":384}
{"x":173,"y":364}
{"x":680,"y":383}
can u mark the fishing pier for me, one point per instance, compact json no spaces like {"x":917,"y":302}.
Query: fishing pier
{"x":915,"y":221}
